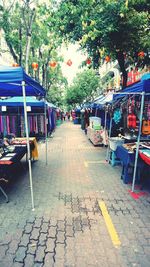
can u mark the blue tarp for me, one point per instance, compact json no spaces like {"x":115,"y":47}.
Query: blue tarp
{"x":99,"y":99}
{"x":139,"y":87}
{"x":18,"y":101}
{"x":11,"y":79}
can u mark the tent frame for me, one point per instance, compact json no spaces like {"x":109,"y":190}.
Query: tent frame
{"x":28,"y":144}
{"x":46,"y":144}
{"x":19,"y":79}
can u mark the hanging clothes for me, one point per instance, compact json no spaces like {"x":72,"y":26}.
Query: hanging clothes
{"x":8,"y":125}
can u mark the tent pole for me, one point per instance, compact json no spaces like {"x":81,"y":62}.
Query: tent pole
{"x":105,"y":126}
{"x":96,"y":113}
{"x":105,"y":119}
{"x":45,"y":131}
{"x":108,"y":148}
{"x":28,"y":144}
{"x":138,"y":141}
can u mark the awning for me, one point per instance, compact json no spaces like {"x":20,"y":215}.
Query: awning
{"x":11,"y":83}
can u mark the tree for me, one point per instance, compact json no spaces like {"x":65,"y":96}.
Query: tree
{"x":17,"y":22}
{"x":84,"y":88}
{"x":119,"y":29}
{"x":29,"y":39}
{"x":56,"y":87}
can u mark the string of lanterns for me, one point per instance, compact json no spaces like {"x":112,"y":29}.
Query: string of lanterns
{"x":88,"y":61}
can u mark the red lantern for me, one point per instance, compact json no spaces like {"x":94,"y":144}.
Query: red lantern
{"x":69,"y":62}
{"x":107,"y":59}
{"x":15,"y":65}
{"x":52,"y":64}
{"x":88,"y":61}
{"x":35,"y":66}
{"x":141,"y":54}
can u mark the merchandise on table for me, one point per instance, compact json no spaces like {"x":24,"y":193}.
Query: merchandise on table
{"x":145,"y":155}
{"x":94,"y":136}
{"x":33,"y":145}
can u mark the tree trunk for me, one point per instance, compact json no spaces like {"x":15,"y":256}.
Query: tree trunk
{"x":15,"y":57}
{"x":27,"y":53}
{"x":28,"y":37}
{"x":43,"y":75}
{"x":20,"y":45}
{"x":121,"y":61}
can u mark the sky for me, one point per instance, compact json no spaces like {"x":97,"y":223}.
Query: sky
{"x":76,"y":57}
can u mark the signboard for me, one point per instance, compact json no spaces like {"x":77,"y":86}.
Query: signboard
{"x":135,"y":76}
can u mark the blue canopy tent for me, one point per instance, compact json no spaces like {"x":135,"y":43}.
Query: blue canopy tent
{"x":17,"y":101}
{"x":11,"y":83}
{"x":140,"y":88}
{"x":30,"y":101}
{"x":137,"y":88}
{"x":15,"y":82}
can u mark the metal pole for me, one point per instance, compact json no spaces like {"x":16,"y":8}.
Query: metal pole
{"x":28,"y":144}
{"x":105,"y":120}
{"x":96,"y":113}
{"x":138,"y":141}
{"x":108,"y":148}
{"x":105,"y":126}
{"x":45,"y":132}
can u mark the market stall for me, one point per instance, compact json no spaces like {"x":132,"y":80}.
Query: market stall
{"x":15,"y":82}
{"x":12,"y":118}
{"x":132,"y":107}
{"x":97,"y":130}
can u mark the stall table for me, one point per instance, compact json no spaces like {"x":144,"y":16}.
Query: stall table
{"x":145,"y":155}
{"x":145,"y":170}
{"x":127,"y":159}
{"x":33,"y":145}
{"x":9,"y":159}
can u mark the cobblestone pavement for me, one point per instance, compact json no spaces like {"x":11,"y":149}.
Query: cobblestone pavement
{"x":67,"y":227}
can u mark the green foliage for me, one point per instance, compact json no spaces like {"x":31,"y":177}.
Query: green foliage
{"x":15,"y":20}
{"x":56,"y":87}
{"x":84,"y":87}
{"x":106,"y":27}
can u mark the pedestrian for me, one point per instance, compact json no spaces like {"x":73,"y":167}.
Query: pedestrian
{"x":68,"y":116}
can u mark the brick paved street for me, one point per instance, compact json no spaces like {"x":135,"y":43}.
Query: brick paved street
{"x":67,"y":227}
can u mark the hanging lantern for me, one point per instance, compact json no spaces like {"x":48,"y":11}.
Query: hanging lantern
{"x":107,"y":59}
{"x":141,"y":54}
{"x":88,"y":61}
{"x":53,"y":64}
{"x":35,"y":66}
{"x":69,"y":62}
{"x":15,"y":65}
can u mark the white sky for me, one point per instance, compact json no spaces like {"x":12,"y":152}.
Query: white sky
{"x":76,"y":57}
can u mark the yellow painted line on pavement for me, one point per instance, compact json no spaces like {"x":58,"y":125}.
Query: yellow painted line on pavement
{"x":86,"y":163}
{"x":110,"y":227}
{"x":97,"y":161}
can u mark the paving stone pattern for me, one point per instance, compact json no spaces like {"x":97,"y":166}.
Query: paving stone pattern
{"x":67,"y":227}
